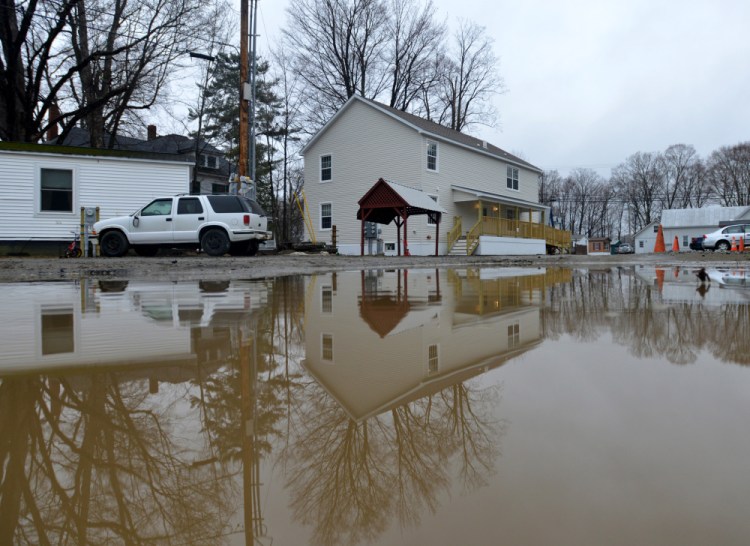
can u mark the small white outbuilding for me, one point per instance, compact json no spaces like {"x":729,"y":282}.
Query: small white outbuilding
{"x":46,"y":191}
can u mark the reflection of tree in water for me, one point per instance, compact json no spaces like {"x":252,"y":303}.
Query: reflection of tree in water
{"x":93,"y":464}
{"x":638,"y":318}
{"x":349,"y":480}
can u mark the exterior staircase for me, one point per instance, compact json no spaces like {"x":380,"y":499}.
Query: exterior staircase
{"x":459,"y":248}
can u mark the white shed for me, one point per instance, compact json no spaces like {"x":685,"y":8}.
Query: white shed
{"x":686,"y":224}
{"x":43,"y":189}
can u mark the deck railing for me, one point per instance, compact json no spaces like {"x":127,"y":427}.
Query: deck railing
{"x":472,"y":238}
{"x":455,"y":233}
{"x":500,"y":227}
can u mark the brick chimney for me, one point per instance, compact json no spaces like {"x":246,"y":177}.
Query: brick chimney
{"x":52,"y":114}
{"x":151,"y":132}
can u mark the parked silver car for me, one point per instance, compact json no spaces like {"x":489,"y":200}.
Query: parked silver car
{"x":721,"y":239}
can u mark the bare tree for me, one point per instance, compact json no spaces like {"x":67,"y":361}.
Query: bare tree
{"x":588,"y":201}
{"x":29,"y":83}
{"x":338,"y":48}
{"x":729,"y":173}
{"x":415,"y":45}
{"x":290,"y":107}
{"x":97,"y":61}
{"x":683,"y":181}
{"x":640,"y":182}
{"x":469,"y":81}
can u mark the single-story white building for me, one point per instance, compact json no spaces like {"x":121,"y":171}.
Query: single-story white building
{"x":47,"y":192}
{"x":686,"y":224}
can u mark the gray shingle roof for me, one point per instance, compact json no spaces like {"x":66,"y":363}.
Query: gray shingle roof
{"x":458,"y":137}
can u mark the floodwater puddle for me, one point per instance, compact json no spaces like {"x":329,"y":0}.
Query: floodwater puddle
{"x":422,"y":406}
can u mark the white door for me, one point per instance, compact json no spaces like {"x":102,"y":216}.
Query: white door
{"x":189,"y":218}
{"x":154,"y":223}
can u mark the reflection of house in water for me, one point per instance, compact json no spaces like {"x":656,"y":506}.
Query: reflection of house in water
{"x":67,"y":325}
{"x":379,"y":339}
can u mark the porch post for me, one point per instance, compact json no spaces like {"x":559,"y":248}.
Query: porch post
{"x":437,"y":232}
{"x":406,"y":234}
{"x":362,"y":233}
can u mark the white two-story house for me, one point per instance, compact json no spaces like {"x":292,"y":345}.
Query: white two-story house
{"x":490,"y":197}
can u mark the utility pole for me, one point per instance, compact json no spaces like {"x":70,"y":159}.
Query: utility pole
{"x":253,"y":70}
{"x":244,"y":118}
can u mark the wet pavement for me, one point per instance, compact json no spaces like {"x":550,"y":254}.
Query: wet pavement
{"x":515,"y":405}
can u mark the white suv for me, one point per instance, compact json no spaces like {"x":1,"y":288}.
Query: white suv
{"x":216,"y":224}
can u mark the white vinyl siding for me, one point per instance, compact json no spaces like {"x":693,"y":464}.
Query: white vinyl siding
{"x":118,"y":186}
{"x":429,"y":221}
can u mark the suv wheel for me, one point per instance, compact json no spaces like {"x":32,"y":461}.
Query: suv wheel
{"x":113,"y":244}
{"x":215,"y":242}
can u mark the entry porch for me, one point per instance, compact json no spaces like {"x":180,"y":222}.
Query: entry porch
{"x":488,"y":223}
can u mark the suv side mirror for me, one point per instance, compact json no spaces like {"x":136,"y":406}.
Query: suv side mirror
{"x":136,"y":221}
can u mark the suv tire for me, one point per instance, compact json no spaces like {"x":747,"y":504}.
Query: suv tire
{"x":215,"y":242}
{"x":113,"y":244}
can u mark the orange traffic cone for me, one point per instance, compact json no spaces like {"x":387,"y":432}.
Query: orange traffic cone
{"x":660,"y":279}
{"x":676,"y":245}
{"x":742,"y":244}
{"x":734,"y":245}
{"x":659,"y":246}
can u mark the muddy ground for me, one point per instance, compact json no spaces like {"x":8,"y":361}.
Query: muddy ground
{"x":199,"y":267}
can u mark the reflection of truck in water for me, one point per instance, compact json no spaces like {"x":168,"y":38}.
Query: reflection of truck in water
{"x":202,"y":303}
{"x":729,"y":278}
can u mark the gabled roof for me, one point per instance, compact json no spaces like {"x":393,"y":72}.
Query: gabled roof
{"x":384,"y":197}
{"x":430,"y":129}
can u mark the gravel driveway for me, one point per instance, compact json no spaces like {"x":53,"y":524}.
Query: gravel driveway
{"x":198,"y":267}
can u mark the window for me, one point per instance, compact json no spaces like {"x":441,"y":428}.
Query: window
{"x":656,"y":228}
{"x":640,"y":244}
{"x":326,"y":216}
{"x":208,"y":161}
{"x":57,"y":331}
{"x":159,"y":207}
{"x":432,"y":156}
{"x":189,"y":205}
{"x":433,"y":361}
{"x":219,"y":188}
{"x":56,"y":187}
{"x":514,"y":335}
{"x":326,"y":299}
{"x":431,"y":218}
{"x":510,"y":214}
{"x":227,"y":204}
{"x":512,"y":178}
{"x":326,"y":168}
{"x":685,"y":240}
{"x":326,"y":347}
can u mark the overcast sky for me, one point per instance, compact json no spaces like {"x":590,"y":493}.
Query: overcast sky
{"x":591,"y":82}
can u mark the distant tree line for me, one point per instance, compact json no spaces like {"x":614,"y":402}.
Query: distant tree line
{"x":644,"y":185}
